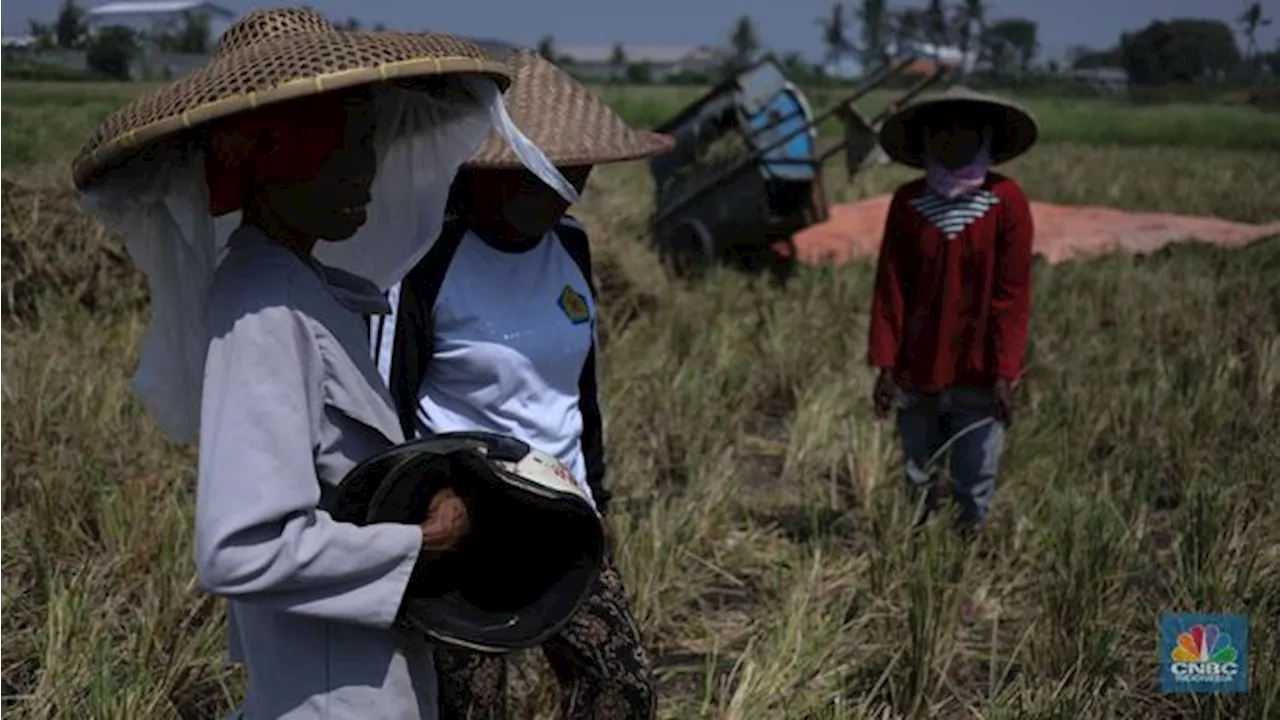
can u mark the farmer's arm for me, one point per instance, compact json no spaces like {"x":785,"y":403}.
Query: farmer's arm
{"x":259,"y":535}
{"x":593,"y":454}
{"x":593,"y":430}
{"x":887,"y":303}
{"x":1011,"y":296}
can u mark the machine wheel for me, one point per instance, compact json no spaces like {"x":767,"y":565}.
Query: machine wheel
{"x":688,"y":250}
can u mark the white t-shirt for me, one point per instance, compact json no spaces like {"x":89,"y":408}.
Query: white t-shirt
{"x":512,"y":332}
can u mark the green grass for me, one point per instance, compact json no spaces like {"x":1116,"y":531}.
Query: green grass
{"x":1231,"y":184}
{"x":51,"y":118}
{"x":45,"y":123}
{"x":1092,"y":152}
{"x":1083,"y":121}
{"x":762,"y":527}
{"x":1099,"y":122}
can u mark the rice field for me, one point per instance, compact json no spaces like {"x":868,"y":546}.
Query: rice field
{"x":762,"y":527}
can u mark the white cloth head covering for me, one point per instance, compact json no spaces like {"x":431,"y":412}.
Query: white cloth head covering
{"x":159,"y":202}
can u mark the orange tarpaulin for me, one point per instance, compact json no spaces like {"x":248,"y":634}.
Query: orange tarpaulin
{"x":1062,"y":231}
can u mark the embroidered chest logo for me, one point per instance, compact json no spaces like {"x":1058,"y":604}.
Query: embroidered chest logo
{"x":953,"y":216}
{"x":574,"y":306}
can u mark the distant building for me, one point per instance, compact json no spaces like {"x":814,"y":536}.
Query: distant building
{"x":928,"y":57}
{"x":846,"y":67}
{"x":17,"y":42}
{"x":931,"y":56}
{"x":1106,"y":79}
{"x":595,"y":62}
{"x":150,"y":16}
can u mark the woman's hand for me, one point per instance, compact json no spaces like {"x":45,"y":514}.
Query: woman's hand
{"x":447,"y":521}
{"x":883,"y":394}
{"x":1003,"y":391}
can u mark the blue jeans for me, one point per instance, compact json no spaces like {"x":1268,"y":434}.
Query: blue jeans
{"x":926,"y":422}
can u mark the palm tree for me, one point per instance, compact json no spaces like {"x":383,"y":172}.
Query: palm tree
{"x":1250,"y":20}
{"x":617,"y":62}
{"x":835,"y":34}
{"x":908,"y":26}
{"x":547,"y":48}
{"x":71,"y":28}
{"x":971,"y":15}
{"x":744,"y":41}
{"x":935,"y":23}
{"x":874,"y":16}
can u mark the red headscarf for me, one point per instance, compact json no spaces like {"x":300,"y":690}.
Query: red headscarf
{"x":283,"y":143}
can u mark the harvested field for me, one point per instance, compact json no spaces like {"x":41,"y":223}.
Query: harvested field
{"x":762,"y":529}
{"x":75,"y":255}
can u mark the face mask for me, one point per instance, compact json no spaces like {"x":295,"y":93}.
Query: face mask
{"x":952,"y":184}
{"x":531,"y":215}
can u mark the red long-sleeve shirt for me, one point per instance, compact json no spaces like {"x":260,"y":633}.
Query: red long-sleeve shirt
{"x":952,"y":296}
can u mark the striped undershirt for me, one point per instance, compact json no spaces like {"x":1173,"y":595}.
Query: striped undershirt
{"x":953,"y":216}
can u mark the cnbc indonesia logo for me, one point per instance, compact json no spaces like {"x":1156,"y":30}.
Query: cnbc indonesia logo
{"x":1204,"y":654}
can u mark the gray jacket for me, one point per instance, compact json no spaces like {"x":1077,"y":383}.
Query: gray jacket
{"x":291,"y":402}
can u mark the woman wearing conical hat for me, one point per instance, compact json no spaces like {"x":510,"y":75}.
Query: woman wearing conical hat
{"x":495,"y":331}
{"x":952,"y":294}
{"x":271,"y":197}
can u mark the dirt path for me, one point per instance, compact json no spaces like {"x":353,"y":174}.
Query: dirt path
{"x":1062,"y":231}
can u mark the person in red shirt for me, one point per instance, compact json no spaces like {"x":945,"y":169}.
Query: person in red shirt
{"x":952,"y":295}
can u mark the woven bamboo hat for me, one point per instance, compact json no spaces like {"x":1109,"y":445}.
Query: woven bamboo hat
{"x":571,"y":124}
{"x":1013,"y":127}
{"x":269,"y":56}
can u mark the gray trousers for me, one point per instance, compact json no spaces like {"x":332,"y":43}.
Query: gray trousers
{"x":926,"y":422}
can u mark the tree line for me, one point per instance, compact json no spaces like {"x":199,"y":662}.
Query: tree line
{"x":870,"y":32}
{"x":111,"y":50}
{"x":1182,"y":50}
{"x":1188,"y":51}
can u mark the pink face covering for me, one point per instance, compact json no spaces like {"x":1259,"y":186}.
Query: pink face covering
{"x":952,"y":184}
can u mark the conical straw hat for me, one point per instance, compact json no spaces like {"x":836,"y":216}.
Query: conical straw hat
{"x":571,"y":124}
{"x":1014,"y":128}
{"x":269,"y":56}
